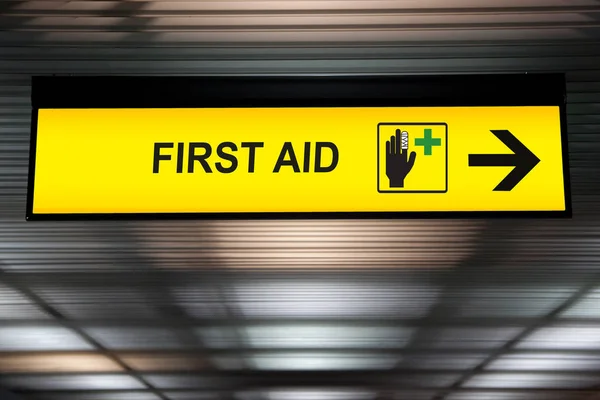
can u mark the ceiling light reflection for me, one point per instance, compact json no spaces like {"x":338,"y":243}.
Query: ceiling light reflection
{"x":323,"y":361}
{"x":340,"y":298}
{"x":530,"y":381}
{"x":567,"y":337}
{"x":309,"y":244}
{"x":588,"y":307}
{"x":333,"y":336}
{"x":47,"y":363}
{"x":547,"y":362}
{"x":308,"y":394}
{"x":40,"y":338}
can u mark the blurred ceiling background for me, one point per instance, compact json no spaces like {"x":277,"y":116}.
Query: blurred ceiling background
{"x":300,"y":310}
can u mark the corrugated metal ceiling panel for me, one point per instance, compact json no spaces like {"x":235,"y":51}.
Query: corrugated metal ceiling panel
{"x":204,"y":310}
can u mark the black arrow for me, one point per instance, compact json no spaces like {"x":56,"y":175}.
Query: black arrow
{"x":522,"y":159}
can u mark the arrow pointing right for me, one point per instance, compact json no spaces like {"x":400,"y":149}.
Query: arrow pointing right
{"x":522,"y":159}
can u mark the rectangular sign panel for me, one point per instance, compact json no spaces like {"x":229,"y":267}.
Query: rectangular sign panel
{"x":249,"y":161}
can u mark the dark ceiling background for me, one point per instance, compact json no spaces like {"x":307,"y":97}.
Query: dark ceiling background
{"x":307,"y":310}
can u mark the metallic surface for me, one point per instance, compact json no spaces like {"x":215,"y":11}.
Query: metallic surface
{"x":289,"y":310}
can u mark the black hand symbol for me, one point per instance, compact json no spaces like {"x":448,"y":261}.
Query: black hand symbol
{"x":397,"y":162}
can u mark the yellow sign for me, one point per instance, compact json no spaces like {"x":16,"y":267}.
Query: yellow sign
{"x":261,"y":160}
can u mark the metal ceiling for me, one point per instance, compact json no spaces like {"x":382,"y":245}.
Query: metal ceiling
{"x":453,"y":310}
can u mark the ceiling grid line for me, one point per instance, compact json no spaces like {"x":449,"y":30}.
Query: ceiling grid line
{"x":69,"y":325}
{"x":546,"y":320}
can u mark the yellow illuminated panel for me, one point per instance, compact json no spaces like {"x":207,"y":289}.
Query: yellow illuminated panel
{"x":292,"y":160}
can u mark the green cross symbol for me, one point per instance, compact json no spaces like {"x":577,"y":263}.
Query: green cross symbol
{"x":427,"y":142}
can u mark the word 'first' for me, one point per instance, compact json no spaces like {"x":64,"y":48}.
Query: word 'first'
{"x":201,"y":153}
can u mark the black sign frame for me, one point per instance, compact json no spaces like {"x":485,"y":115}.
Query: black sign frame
{"x":55,"y":92}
